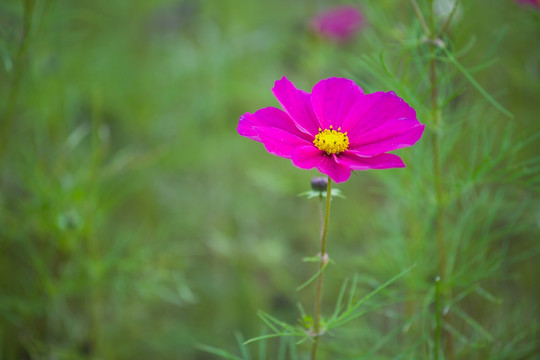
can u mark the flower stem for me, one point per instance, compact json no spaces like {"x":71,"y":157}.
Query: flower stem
{"x":324,"y":259}
{"x":321,"y":215}
{"x":437,"y":172}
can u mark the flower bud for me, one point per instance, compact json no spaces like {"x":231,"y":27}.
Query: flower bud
{"x":319,"y":183}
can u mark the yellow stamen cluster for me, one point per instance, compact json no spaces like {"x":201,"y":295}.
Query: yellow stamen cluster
{"x":331,"y":141}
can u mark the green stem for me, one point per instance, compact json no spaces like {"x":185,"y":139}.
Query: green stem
{"x":321,"y":215}
{"x":322,"y":262}
{"x":437,"y":125}
{"x":437,"y":171}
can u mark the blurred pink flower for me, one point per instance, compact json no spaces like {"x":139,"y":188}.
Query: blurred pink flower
{"x":335,"y":129}
{"x":530,"y":2}
{"x":338,"y":23}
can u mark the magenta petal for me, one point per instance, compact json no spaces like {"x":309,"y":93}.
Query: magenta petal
{"x":245,"y":127}
{"x":391,"y":136}
{"x":267,"y":117}
{"x":337,"y":172}
{"x":280,"y":142}
{"x":355,"y":161}
{"x":374,"y":110}
{"x":307,"y":157}
{"x":297,"y":103}
{"x":332,"y":99}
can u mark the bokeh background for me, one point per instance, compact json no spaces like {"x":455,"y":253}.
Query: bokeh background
{"x":135,"y":223}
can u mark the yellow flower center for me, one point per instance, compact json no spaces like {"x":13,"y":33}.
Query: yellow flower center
{"x":331,"y":141}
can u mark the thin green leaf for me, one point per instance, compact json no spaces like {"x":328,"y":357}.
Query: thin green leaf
{"x":293,"y":351}
{"x":476,"y":84}
{"x":488,"y":296}
{"x":340,"y":298}
{"x":352,"y":291}
{"x":352,"y":310}
{"x":240,"y":341}
{"x":311,"y":194}
{"x":276,"y":321}
{"x":473,"y":323}
{"x":268,"y":336}
{"x":262,"y":316}
{"x":282,"y":349}
{"x":262,"y":348}
{"x":311,"y":279}
{"x":217,"y":351}
{"x":301,"y":309}
{"x":315,"y":258}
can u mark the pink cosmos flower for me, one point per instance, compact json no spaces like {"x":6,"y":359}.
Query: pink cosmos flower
{"x":336,"y":129}
{"x":339,"y":23}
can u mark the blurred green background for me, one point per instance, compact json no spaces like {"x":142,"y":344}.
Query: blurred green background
{"x":136,"y":223}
